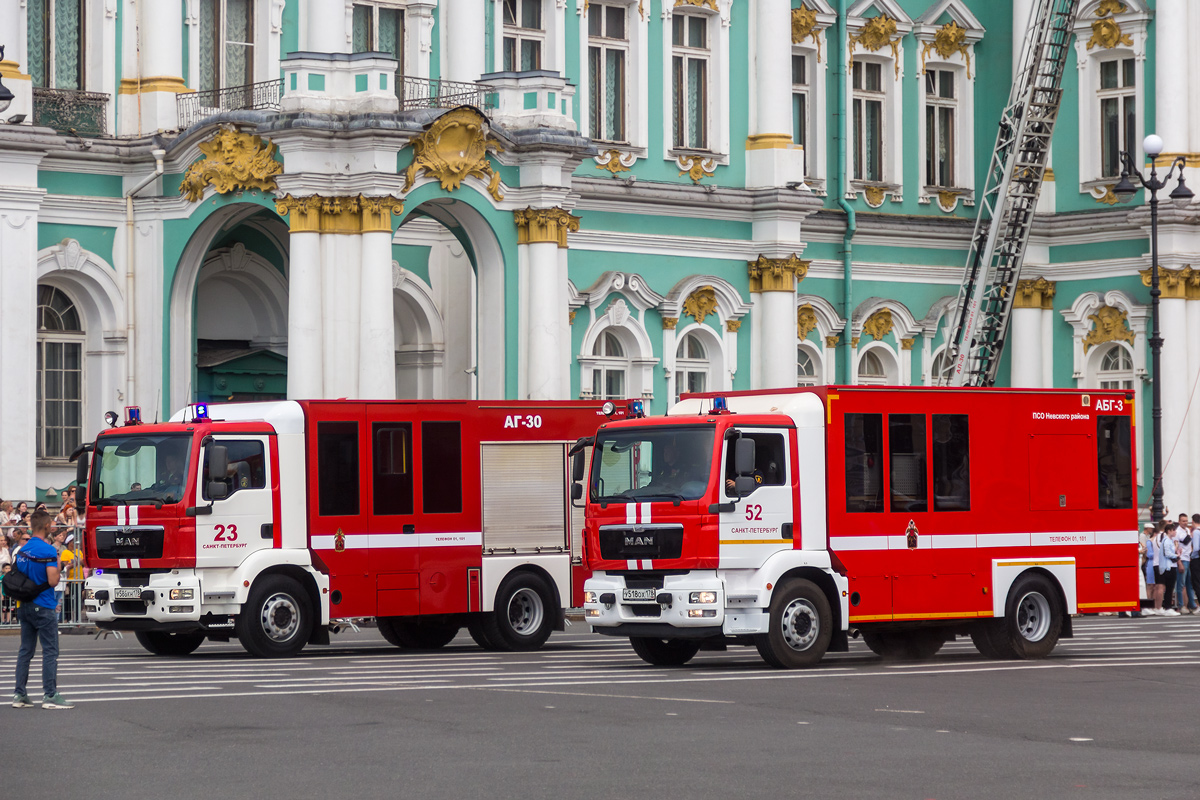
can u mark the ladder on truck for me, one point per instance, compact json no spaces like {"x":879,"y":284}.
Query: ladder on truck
{"x":1010,"y":195}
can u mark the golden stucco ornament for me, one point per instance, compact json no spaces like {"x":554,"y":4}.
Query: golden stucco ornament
{"x":949,"y":39}
{"x":700,"y":303}
{"x":879,"y":324}
{"x":696,"y":167}
{"x":698,"y":3}
{"x":233,"y":160}
{"x":1107,"y":34}
{"x":806,"y":321}
{"x":876,"y":34}
{"x":1112,"y":325}
{"x":456,"y":147}
{"x":804,"y":26}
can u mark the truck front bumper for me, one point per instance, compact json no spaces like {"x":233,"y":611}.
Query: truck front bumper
{"x":165,"y":602}
{"x":686,"y":606}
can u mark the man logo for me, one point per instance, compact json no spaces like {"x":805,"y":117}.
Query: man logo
{"x":639,"y":541}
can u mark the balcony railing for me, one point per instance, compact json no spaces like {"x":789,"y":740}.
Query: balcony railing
{"x":196,"y":106}
{"x":427,"y":93}
{"x":70,"y":111}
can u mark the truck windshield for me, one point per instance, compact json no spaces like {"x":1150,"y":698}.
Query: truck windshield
{"x":643,"y":464}
{"x":138,"y":469}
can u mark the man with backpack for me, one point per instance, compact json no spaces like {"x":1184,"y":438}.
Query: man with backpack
{"x":38,"y":561}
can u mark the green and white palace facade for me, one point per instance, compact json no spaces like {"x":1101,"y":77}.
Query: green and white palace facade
{"x":552,"y":199}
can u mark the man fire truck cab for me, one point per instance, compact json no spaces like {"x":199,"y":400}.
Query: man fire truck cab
{"x":270,"y":521}
{"x":786,"y":519}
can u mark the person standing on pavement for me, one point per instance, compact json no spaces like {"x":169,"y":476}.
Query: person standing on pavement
{"x":1168,"y":560}
{"x":1195,"y":567}
{"x":1185,"y":597}
{"x":39,"y":561}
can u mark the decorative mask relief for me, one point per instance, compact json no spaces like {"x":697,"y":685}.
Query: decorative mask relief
{"x":233,"y":160}
{"x":456,"y":147}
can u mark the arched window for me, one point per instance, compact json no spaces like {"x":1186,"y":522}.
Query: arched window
{"x":59,"y":374}
{"x":871,"y":371}
{"x":939,"y":365}
{"x":806,"y":368}
{"x":691,"y":366}
{"x":1116,"y":369}
{"x":608,"y":377}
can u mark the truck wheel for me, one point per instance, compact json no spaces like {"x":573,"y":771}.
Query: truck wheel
{"x":800,"y":626}
{"x":665,"y":652}
{"x":477,"y":629}
{"x":524,"y":614}
{"x":920,"y":644}
{"x":991,"y":641}
{"x":416,"y":635}
{"x":170,"y":644}
{"x":276,"y":621}
{"x":1034,"y":618}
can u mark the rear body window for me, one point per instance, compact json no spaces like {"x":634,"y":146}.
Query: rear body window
{"x":1114,"y":458}
{"x":951,"y":463}
{"x":337,"y":469}
{"x":392,"y":474}
{"x":864,"y":462}
{"x":441,"y":468}
{"x":907,"y":467}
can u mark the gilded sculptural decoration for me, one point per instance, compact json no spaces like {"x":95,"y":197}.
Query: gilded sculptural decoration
{"x":832,"y":341}
{"x":804,"y":26}
{"x":669,"y":323}
{"x":806,"y":321}
{"x":1034,"y":293}
{"x":1175,"y":284}
{"x":338,"y":214}
{"x":540,"y":225}
{"x":874,"y":195}
{"x":1106,"y":34}
{"x":456,"y":147}
{"x":949,"y":39}
{"x":879,"y":324}
{"x":875,"y":35}
{"x":733,"y":325}
{"x":615,"y":161}
{"x":696,"y":167}
{"x":947,"y":199}
{"x":698,"y":4}
{"x":700,"y":303}
{"x":233,"y":160}
{"x":1112,"y":325}
{"x":907,"y":344}
{"x":776,"y":274}
{"x":854,"y":341}
{"x":1106,"y":195}
{"x":1108,"y":7}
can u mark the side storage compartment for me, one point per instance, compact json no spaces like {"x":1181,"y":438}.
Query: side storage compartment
{"x":524,"y":498}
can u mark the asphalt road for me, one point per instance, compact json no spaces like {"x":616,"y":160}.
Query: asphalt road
{"x":1110,"y":715}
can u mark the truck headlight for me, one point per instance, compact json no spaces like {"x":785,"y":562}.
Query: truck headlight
{"x":89,"y":594}
{"x":702,"y":598}
{"x":590,"y":597}
{"x":702,"y":612}
{"x":591,"y":612}
{"x":181,"y":594}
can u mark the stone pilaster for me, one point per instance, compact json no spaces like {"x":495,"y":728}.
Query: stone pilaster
{"x":541,"y":233}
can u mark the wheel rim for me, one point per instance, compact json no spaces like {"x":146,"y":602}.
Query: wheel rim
{"x":525,"y":611}
{"x":280,"y":617}
{"x":800,"y":624}
{"x":1033,"y":617}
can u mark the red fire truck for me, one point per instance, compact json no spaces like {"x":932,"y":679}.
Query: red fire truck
{"x":265,"y":520}
{"x":787,"y":519}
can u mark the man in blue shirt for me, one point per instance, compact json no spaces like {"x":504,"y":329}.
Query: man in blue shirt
{"x":39,"y":561}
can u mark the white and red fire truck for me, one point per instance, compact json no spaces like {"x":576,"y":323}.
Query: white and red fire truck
{"x":266,"y":521}
{"x":787,"y":519}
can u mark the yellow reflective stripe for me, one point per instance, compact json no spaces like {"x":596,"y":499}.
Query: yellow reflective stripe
{"x":1035,"y":563}
{"x":943,"y":615}
{"x":755,"y":541}
{"x":1110,"y":604}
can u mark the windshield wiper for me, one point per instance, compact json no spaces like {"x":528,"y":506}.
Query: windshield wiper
{"x":109,"y":501}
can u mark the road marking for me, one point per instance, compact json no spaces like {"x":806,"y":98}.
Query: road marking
{"x":615,"y":696}
{"x":899,"y":711}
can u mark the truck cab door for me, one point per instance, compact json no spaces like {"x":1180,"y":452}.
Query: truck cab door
{"x":395,"y":552}
{"x":243,"y":521}
{"x":761,"y":522}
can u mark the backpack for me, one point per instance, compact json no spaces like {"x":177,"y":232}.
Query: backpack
{"x":20,"y":586}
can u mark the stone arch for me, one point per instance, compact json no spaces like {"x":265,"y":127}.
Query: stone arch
{"x":420,"y":337}
{"x":904,"y":327}
{"x":91,"y":284}
{"x":631,"y":332}
{"x":720,"y":376}
{"x":729,"y":308}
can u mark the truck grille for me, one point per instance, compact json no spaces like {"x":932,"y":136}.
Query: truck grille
{"x":136,"y":577}
{"x":128,"y":607}
{"x":142,"y":541}
{"x":624,"y":542}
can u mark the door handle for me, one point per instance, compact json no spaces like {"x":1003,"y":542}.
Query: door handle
{"x":267,"y":531}
{"x":409,"y":529}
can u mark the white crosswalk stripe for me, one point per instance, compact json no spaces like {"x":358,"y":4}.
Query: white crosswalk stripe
{"x":106,"y":671}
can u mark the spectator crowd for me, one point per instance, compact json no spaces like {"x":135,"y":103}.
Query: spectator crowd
{"x":1170,"y":555}
{"x":67,"y":537}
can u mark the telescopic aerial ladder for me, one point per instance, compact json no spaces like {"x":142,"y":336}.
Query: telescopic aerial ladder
{"x":1010,"y":196}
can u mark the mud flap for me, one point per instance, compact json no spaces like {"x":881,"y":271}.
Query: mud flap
{"x":839,"y":643}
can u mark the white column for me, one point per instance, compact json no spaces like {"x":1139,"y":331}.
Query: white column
{"x":1193,"y":434}
{"x":151,"y":78}
{"x":146,"y":357}
{"x":543,"y":323}
{"x":772,"y":158}
{"x":464,"y":34}
{"x":341,"y":280}
{"x":325,"y":27}
{"x":1171,"y":74}
{"x":1047,"y":348}
{"x":1175,"y":389}
{"x":779,"y":339}
{"x":1026,"y":348}
{"x":306,"y":378}
{"x":1021,"y":12}
{"x":377,"y":329}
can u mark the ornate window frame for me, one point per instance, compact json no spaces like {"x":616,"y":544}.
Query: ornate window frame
{"x":554,"y":54}
{"x":949,"y":47}
{"x":809,"y":39}
{"x":1104,"y":31}
{"x":625,"y":299}
{"x":878,"y":42}
{"x":637,"y":79}
{"x":700,"y":297}
{"x":719,"y":16}
{"x":267,"y":34}
{"x":938,"y":320}
{"x":882,"y":319}
{"x":826,"y":325}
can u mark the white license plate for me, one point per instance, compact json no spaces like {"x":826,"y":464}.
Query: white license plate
{"x":639,"y":594}
{"x":127,"y":593}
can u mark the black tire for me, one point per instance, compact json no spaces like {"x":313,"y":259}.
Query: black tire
{"x":1033,"y":618}
{"x":477,"y":630}
{"x":276,"y":620}
{"x":991,"y":640}
{"x":524,"y":613}
{"x":170,"y":644}
{"x":920,"y":644}
{"x":800,"y":627}
{"x":665,"y":652}
{"x":415,"y":634}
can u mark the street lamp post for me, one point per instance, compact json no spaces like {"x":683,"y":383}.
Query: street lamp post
{"x":1153,"y":146}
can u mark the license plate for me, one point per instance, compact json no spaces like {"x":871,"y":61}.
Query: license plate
{"x":127,"y":593}
{"x":639,"y":594}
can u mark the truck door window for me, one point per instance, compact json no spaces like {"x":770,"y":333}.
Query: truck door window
{"x":247,"y":467}
{"x":392,"y":479}
{"x":1114,"y":457}
{"x":441,"y":468}
{"x":864,"y":462}
{"x":769,"y":469}
{"x":337,"y":469}
{"x":951,"y":463}
{"x":906,"y":468}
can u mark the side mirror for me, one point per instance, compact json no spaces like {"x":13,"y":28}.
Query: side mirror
{"x":576,"y":491}
{"x":743,"y":457}
{"x":218,"y":463}
{"x":744,"y":485}
{"x":218,"y":490}
{"x":81,"y":472}
{"x":577,"y":467}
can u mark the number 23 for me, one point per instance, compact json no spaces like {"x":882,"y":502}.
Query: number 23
{"x":226,"y":533}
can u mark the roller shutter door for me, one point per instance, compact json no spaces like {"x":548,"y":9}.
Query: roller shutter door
{"x":524,"y":497}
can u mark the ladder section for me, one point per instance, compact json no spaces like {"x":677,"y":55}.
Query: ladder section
{"x":1010,"y":196}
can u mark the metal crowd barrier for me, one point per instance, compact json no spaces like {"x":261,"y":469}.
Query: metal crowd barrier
{"x":71,"y":613}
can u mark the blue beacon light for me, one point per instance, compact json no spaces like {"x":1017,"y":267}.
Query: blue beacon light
{"x":636,"y":409}
{"x":200,"y":410}
{"x":720,"y":405}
